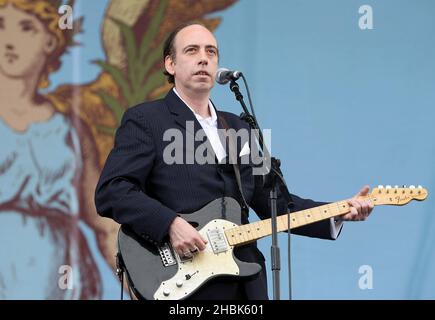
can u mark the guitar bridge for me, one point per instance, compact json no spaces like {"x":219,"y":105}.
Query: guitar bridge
{"x":217,"y":241}
{"x":166,"y":255}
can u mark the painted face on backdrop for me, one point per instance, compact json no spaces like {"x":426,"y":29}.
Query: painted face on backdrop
{"x":25,"y":43}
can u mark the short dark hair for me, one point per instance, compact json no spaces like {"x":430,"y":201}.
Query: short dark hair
{"x":169,"y":49}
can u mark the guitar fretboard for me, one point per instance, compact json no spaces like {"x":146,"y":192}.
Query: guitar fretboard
{"x":250,"y":232}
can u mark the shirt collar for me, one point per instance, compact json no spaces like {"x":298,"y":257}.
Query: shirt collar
{"x":211,"y":120}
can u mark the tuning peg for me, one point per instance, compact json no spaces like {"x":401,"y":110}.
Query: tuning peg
{"x":404,"y":186}
{"x":380,"y":186}
{"x":411,"y":187}
{"x":388,"y":187}
{"x":420,"y":187}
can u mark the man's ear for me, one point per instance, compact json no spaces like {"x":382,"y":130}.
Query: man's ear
{"x":169,"y":65}
{"x":50,"y":44}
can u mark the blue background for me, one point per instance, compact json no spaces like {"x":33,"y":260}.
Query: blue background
{"x":347,"y":107}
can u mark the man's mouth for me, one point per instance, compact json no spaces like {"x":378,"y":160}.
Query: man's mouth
{"x":202,"y":73}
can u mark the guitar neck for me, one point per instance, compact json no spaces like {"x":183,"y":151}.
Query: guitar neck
{"x":250,"y":232}
{"x":379,"y":196}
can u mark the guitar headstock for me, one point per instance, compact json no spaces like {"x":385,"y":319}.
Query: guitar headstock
{"x":396,"y":195}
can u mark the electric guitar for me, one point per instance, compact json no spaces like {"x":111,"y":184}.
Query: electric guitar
{"x":159,"y":273}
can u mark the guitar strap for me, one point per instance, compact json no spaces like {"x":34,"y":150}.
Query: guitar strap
{"x":232,"y":150}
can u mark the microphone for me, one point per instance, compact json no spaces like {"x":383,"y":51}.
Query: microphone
{"x":223,"y":75}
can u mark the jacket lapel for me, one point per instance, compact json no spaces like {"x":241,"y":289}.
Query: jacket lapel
{"x":185,"y":118}
{"x":181,"y":113}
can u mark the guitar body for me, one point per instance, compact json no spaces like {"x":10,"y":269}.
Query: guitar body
{"x":158,"y":273}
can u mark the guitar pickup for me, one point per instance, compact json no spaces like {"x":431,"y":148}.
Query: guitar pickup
{"x":166,"y":255}
{"x":217,"y":241}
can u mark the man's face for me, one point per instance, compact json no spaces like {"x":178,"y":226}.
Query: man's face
{"x":196,"y":60}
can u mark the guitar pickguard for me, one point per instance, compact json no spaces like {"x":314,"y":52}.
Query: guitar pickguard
{"x":213,"y":261}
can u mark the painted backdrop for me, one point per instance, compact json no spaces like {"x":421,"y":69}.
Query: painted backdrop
{"x":347,"y":88}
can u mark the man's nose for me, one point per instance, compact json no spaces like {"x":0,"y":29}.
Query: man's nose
{"x":203,"y":58}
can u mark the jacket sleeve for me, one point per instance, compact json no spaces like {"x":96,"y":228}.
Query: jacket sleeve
{"x":120,"y":193}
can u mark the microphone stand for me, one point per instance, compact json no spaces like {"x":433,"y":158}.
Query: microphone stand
{"x":271,"y":180}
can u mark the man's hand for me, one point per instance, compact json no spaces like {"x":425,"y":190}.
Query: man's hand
{"x":359,"y":209}
{"x":184,"y":238}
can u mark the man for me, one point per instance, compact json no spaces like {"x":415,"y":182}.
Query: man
{"x":139,"y":188}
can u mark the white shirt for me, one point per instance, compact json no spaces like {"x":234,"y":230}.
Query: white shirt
{"x":209,"y":125}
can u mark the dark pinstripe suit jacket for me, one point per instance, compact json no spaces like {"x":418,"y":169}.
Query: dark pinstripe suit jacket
{"x":138,"y":188}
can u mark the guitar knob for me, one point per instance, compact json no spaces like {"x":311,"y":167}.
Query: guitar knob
{"x":179,"y":283}
{"x":396,"y":186}
{"x":166,"y":292}
{"x":420,"y":187}
{"x":380,"y":186}
{"x":388,"y":187}
{"x":411,"y":187}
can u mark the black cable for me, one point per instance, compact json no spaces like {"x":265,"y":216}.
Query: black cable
{"x":289,"y":265}
{"x":251,"y":106}
{"x":122,"y":285}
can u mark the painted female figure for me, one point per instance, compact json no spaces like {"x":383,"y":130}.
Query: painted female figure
{"x":47,"y":174}
{"x":52,"y":145}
